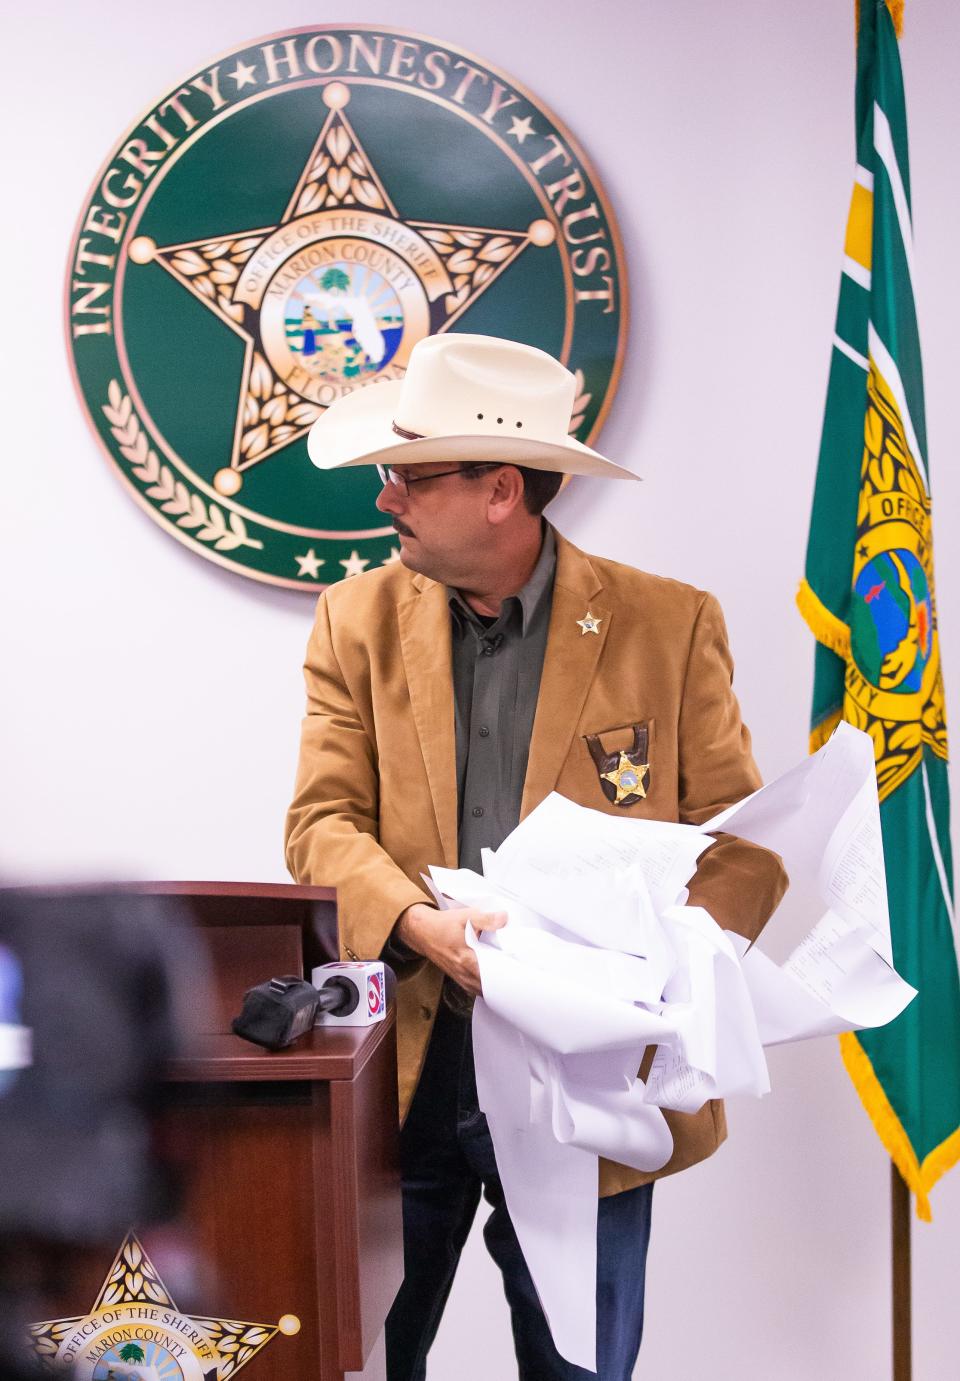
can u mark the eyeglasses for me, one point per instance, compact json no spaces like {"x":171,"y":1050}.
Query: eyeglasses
{"x":388,"y":475}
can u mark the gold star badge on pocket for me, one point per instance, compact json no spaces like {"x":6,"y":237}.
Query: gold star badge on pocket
{"x":627,"y":778}
{"x":624,"y":776}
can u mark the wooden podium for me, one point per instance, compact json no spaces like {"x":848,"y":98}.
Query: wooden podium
{"x":294,"y":1198}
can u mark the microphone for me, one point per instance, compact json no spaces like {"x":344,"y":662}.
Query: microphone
{"x":278,"y":1012}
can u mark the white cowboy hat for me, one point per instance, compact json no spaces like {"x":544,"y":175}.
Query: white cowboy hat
{"x":463,"y":398}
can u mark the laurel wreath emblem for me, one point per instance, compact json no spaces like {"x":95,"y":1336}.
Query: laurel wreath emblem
{"x":236,"y":1342}
{"x":206,"y":522}
{"x":134,"y":1278}
{"x":580,"y":404}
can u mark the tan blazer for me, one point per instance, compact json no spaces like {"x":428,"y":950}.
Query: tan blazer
{"x":376,"y":793}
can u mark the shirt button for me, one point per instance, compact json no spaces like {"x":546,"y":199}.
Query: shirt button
{"x":484,"y":732}
{"x":478,"y":811}
{"x":488,"y":649}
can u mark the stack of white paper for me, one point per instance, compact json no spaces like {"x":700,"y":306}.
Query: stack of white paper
{"x":601,"y":958}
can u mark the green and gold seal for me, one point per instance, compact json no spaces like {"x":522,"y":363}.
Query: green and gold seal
{"x":134,"y":1332}
{"x":281,"y":228}
{"x":894,"y":681}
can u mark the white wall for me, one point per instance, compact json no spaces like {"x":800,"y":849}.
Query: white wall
{"x":151,"y":701}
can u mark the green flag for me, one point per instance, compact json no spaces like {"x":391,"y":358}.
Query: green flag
{"x":868,"y":597}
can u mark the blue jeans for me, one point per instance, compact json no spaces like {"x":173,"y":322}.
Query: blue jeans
{"x":447,"y":1160}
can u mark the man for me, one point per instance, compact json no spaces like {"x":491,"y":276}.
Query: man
{"x":448,"y":694}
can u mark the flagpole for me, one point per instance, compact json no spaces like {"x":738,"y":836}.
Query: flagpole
{"x":900,"y":1242}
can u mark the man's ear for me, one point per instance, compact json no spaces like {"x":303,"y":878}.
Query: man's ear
{"x":506,"y":496}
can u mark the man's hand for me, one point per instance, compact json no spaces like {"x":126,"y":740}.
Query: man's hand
{"x":439,"y":937}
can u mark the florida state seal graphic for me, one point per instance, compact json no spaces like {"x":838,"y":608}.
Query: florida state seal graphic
{"x":281,"y":228}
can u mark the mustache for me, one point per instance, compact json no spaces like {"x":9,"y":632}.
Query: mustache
{"x":402,"y":528}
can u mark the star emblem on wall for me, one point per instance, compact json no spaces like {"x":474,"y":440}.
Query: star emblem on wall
{"x":309,"y":564}
{"x":274,"y":406}
{"x":242,"y":75}
{"x":354,"y":564}
{"x":520,"y":129}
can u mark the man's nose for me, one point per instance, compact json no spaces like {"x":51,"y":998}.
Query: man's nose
{"x":390,"y":500}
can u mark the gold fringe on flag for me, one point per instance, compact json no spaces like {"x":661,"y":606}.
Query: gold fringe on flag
{"x":896,"y":14}
{"x":918,"y":1178}
{"x":824,"y":626}
{"x":822,"y":731}
{"x":941,"y":1159}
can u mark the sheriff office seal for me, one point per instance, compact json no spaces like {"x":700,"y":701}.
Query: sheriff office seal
{"x":894,"y":681}
{"x":134,"y":1332}
{"x":280,"y":229}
